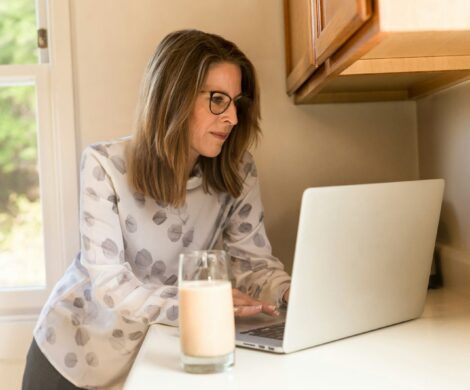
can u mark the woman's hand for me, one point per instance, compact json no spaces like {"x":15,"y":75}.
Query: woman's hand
{"x":246,"y":306}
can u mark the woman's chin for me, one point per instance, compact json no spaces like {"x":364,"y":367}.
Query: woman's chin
{"x":211,"y":153}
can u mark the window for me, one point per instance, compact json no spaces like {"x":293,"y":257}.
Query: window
{"x":21,"y":226}
{"x":38,"y":185}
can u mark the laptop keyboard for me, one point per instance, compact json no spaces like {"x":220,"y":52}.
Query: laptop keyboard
{"x":271,"y":332}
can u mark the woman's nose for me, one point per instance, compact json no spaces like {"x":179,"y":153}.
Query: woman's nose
{"x":231,"y":114}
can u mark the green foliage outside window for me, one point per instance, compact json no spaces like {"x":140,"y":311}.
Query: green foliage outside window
{"x":17,"y":32}
{"x":20,"y":210}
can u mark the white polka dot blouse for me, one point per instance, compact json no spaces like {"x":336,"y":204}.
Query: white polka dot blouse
{"x":125,"y":276}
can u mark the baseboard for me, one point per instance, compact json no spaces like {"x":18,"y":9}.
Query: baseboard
{"x":455,"y":266}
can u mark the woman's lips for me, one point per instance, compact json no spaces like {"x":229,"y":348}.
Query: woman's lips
{"x":221,"y":136}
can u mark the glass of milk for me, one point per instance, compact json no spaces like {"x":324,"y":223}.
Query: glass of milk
{"x":206,"y":320}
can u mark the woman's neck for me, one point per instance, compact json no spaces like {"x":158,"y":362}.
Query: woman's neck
{"x":191,"y":162}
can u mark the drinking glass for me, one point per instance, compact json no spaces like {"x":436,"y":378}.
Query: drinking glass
{"x":206,"y":320}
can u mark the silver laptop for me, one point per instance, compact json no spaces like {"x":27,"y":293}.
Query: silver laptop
{"x":362,"y":261}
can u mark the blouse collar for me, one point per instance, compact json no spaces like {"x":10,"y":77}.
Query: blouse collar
{"x":195,"y":178}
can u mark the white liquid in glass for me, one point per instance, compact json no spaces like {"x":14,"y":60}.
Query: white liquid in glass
{"x":207,"y":326}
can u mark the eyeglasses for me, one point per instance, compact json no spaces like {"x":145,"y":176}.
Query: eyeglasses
{"x":219,"y":102}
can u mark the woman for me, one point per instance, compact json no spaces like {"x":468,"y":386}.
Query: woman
{"x":183,"y":180}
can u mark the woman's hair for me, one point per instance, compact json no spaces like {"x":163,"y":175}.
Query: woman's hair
{"x":159,"y":150}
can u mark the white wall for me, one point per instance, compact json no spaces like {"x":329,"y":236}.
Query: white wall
{"x":302,"y":145}
{"x":444,"y":146}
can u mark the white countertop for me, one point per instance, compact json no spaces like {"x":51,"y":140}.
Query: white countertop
{"x":432,"y":352}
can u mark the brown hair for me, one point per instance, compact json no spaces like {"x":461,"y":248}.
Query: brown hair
{"x":158,"y":152}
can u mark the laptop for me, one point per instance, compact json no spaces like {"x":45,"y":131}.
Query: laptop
{"x":362,"y":261}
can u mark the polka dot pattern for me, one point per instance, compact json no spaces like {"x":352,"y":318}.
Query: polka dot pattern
{"x":171,"y":280}
{"x":114,"y":200}
{"x":143,"y":258}
{"x":245,"y":227}
{"x":188,"y":238}
{"x":259,"y":240}
{"x":98,"y":173}
{"x":174,"y":232}
{"x":144,"y":266}
{"x":169,"y":292}
{"x":91,"y":313}
{"x":131,"y":224}
{"x":101,"y":149}
{"x":78,"y":302}
{"x":153,"y":312}
{"x":117,"y":344}
{"x":89,"y":219}
{"x":110,"y":248}
{"x":75,"y":319}
{"x":109,"y":301}
{"x":50,"y":335}
{"x":91,"y":193}
{"x":128,"y":320}
{"x":136,"y":335}
{"x":172,"y":313}
{"x":245,"y":211}
{"x":159,"y":217}
{"x":158,"y":268}
{"x":119,"y":164}
{"x":139,"y":199}
{"x":124,"y":278}
{"x":92,"y":359}
{"x":70,"y":360}
{"x":87,"y":294}
{"x":81,"y":336}
{"x":247,"y":168}
{"x":250,"y":169}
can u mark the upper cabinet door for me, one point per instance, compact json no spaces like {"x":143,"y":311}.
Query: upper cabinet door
{"x":300,"y":54}
{"x":335,"y":22}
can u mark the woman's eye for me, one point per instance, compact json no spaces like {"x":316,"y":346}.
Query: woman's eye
{"x":219,"y":100}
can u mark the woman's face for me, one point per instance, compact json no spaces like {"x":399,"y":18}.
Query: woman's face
{"x":208,"y":132}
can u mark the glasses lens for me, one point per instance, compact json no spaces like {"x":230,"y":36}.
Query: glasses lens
{"x":219,"y":103}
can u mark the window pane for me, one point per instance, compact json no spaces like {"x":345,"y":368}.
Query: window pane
{"x":21,"y":236}
{"x":18,"y":32}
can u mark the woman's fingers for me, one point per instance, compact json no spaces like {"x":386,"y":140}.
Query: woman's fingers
{"x":247,"y":311}
{"x":245,"y":306}
{"x":270,"y":310}
{"x":243,"y":299}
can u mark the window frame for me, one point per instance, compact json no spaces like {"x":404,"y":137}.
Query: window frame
{"x":57,"y":154}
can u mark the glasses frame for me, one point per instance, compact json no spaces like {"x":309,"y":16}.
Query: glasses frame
{"x":237,"y":99}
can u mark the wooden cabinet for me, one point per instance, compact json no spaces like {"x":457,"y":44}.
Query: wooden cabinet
{"x":366,"y":50}
{"x":335,"y":22}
